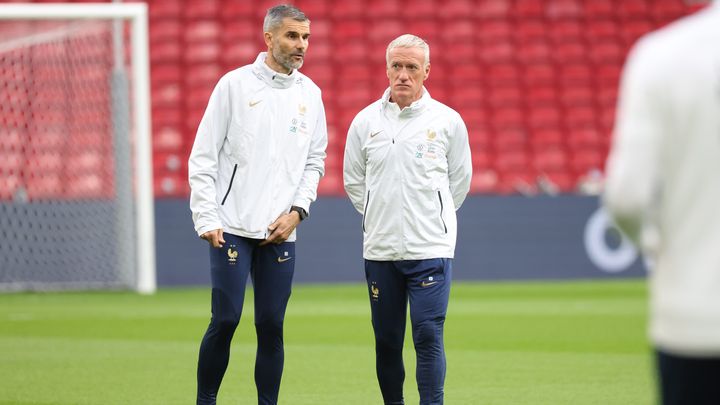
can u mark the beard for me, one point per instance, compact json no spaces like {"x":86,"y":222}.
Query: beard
{"x":285,"y":59}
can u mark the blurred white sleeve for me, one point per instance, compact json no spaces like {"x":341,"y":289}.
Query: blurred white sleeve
{"x":354,"y":168}
{"x":203,"y":161}
{"x":633,"y":179}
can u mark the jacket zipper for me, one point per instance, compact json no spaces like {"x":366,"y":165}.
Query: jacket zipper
{"x":229,"y":185}
{"x":367,"y":202}
{"x":441,"y":211}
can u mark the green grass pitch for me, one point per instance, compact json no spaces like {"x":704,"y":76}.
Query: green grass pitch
{"x":507,"y":343}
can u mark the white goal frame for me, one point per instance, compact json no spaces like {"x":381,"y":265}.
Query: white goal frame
{"x":136,"y":14}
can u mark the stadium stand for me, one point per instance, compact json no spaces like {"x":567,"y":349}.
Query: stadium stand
{"x":535,"y":80}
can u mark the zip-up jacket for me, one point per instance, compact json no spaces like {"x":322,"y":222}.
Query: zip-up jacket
{"x":407,"y":171}
{"x":259,"y":150}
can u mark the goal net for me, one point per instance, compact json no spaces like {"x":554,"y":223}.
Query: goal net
{"x":75,"y":170}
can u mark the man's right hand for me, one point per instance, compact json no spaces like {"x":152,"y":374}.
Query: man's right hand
{"x":214,"y":238}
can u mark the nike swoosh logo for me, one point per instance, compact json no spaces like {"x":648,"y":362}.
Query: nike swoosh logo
{"x":254,"y":103}
{"x":426,"y":284}
{"x":283,"y":259}
{"x":373,"y":135}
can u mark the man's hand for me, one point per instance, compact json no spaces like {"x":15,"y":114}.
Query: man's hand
{"x":214,"y":238}
{"x":281,"y":229}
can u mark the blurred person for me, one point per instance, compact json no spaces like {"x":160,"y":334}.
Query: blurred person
{"x":663,"y":192}
{"x":254,"y":170}
{"x":407,"y":168}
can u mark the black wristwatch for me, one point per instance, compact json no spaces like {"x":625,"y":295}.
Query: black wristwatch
{"x":300,"y":210}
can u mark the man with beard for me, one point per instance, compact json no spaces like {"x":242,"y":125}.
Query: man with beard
{"x":254,"y":170}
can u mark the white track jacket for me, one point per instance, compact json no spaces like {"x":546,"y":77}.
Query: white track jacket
{"x":662,"y":186}
{"x":407,"y":172}
{"x":259,"y":150}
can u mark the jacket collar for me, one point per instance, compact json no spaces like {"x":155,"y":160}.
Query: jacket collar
{"x":412,"y":110}
{"x":272,"y":78}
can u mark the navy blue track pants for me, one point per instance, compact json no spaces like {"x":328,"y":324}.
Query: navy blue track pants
{"x":688,"y":380}
{"x":426,"y":285}
{"x":271,"y":269}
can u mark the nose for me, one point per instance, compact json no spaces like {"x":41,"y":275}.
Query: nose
{"x":302,"y":43}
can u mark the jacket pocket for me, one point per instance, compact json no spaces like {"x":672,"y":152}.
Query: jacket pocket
{"x":229,"y":184}
{"x":367,"y":202}
{"x":442,"y":208}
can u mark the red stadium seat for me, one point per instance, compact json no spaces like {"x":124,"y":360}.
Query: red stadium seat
{"x":383,"y":8}
{"x":602,"y":30}
{"x":544,"y":138}
{"x":483,"y":181}
{"x":496,"y":52}
{"x":491,"y":31}
{"x":529,"y":31}
{"x":170,"y":9}
{"x":529,"y":9}
{"x":511,"y":160}
{"x":199,"y":9}
{"x":585,"y":159}
{"x":382,"y":31}
{"x":165,"y":30}
{"x":202,"y":31}
{"x":234,"y":10}
{"x":509,"y":140}
{"x":506,"y":96}
{"x":458,"y":30}
{"x":607,"y":52}
{"x":493,"y":9}
{"x":317,"y":10}
{"x":507,"y":118}
{"x":577,"y":95}
{"x":580,"y":117}
{"x":454,"y":9}
{"x":589,"y":138}
{"x":565,"y":31}
{"x":544,"y":117}
{"x":539,"y":74}
{"x":549,"y":160}
{"x":595,"y":9}
{"x":420,"y":9}
{"x":633,"y":9}
{"x":558,"y":9}
{"x":541,"y":96}
{"x":570,"y":52}
{"x":534,"y":52}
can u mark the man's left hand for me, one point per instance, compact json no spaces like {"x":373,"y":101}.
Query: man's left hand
{"x":281,"y":229}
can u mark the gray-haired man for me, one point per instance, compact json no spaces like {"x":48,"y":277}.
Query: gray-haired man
{"x":254,"y":169}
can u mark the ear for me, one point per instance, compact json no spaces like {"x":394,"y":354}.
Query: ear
{"x":427,"y":71}
{"x":267,"y":36}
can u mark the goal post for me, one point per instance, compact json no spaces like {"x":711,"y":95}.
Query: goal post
{"x":76,"y":190}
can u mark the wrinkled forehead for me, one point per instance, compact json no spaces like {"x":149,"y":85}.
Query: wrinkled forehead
{"x":292,"y":25}
{"x":406,"y":55}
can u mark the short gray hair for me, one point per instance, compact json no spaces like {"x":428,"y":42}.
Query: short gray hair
{"x":275,"y":16}
{"x":409,"y":41}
